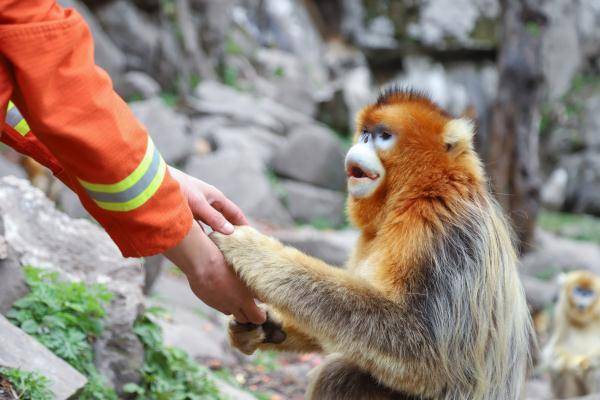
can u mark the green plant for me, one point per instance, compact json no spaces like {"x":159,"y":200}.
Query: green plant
{"x":279,"y":72}
{"x":575,"y":226}
{"x":168,"y":373}
{"x":170,"y":99}
{"x":230,"y":76}
{"x":27,"y":385}
{"x":66,"y":317}
{"x":231,"y":47}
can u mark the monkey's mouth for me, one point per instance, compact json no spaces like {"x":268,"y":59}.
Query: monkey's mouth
{"x":353,"y":170}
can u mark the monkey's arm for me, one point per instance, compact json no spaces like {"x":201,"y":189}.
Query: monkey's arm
{"x":328,"y":302}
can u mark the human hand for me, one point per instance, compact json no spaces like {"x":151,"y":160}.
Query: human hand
{"x":212,"y":280}
{"x":208,"y":204}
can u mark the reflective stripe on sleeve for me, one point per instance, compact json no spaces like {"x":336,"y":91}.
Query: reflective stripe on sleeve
{"x":15,"y":120}
{"x":133,"y":191}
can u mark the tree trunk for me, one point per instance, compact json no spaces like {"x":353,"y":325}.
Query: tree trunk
{"x":512,"y":145}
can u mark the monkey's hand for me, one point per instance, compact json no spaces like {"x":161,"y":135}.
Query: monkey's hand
{"x":248,"y":337}
{"x":247,"y":249}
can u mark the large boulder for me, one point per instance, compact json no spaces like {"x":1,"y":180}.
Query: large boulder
{"x":312,"y":155}
{"x":214,"y":98}
{"x":242,"y":178}
{"x":134,"y":84}
{"x":552,"y":254}
{"x":39,"y":235}
{"x":167,"y":128}
{"x":583,"y":188}
{"x":312,"y":204}
{"x":8,"y":167}
{"x":12,"y":279}
{"x":131,"y":30}
{"x":19,"y":350}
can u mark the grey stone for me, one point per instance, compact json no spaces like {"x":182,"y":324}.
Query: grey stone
{"x":447,"y":24}
{"x":539,"y":293}
{"x":246,"y":140}
{"x":313,"y":155}
{"x":591,"y":122}
{"x":68,"y":202}
{"x":231,"y":392}
{"x":554,"y":191}
{"x":79,"y":250}
{"x":106,"y":54}
{"x":241,"y":177}
{"x":552,"y":254}
{"x":308,"y":203}
{"x":333,"y":247}
{"x":583,"y":188}
{"x":131,"y":30}
{"x":218,"y":99}
{"x":561,"y":54}
{"x":137,"y":84}
{"x":538,"y":389}
{"x":166,"y":127}
{"x":153,"y":267}
{"x":19,"y":350}
{"x":7,"y":168}
{"x":588,"y":20}
{"x":199,"y":337}
{"x":12,"y":282}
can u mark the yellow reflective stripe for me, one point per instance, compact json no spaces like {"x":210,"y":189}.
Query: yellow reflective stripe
{"x":22,"y":127}
{"x":128,"y":181}
{"x":16,"y":120}
{"x":140,"y":199}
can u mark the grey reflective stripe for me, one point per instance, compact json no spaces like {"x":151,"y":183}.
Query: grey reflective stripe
{"x":13,"y":117}
{"x":139,"y":187}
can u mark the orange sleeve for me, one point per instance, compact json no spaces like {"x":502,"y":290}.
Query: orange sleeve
{"x":70,"y":106}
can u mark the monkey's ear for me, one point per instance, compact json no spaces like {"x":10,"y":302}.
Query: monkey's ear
{"x":458,"y":131}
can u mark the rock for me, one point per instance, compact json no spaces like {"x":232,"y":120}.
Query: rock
{"x":244,"y":108}
{"x":591,"y":122}
{"x":167,"y":128}
{"x":444,"y":24}
{"x":9,"y":168}
{"x":19,"y":350}
{"x":583,"y":188}
{"x":588,"y":20}
{"x":12,"y":279}
{"x":433,"y":79}
{"x":132,"y":31}
{"x":241,"y":177}
{"x":152,"y":267}
{"x":308,"y":203}
{"x":106,"y":54}
{"x":231,"y":392}
{"x":333,"y":247}
{"x":538,"y":389}
{"x":137,"y":84}
{"x":561,"y":54}
{"x":200,"y":338}
{"x":69,"y":202}
{"x":552,"y":255}
{"x":554,"y":191}
{"x":539,"y":293}
{"x":312,"y":155}
{"x":246,"y":140}
{"x":79,"y":250}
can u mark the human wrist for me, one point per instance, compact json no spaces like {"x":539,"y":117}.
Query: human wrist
{"x":186,"y":255}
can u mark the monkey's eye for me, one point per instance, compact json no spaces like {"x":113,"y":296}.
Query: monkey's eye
{"x":364,"y":136}
{"x":384,"y":140}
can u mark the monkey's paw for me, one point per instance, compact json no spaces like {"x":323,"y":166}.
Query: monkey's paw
{"x":246,"y":247}
{"x":248,"y":337}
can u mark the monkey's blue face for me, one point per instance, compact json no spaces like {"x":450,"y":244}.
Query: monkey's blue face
{"x":583,"y":297}
{"x":363,"y":162}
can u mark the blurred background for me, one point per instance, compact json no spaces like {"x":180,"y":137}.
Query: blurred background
{"x":258,"y":98}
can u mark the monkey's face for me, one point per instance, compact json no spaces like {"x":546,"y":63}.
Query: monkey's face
{"x":582,"y":291}
{"x":406,"y":148}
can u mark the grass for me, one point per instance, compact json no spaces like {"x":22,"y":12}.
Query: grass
{"x":66,"y":317}
{"x":27,"y":385}
{"x":575,"y":226}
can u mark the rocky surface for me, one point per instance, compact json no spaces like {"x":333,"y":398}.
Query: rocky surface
{"x":19,"y":350}
{"x":37,"y":234}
